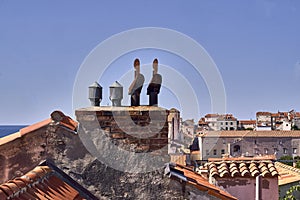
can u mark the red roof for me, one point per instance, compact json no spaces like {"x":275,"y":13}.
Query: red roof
{"x":57,"y":117}
{"x":241,"y":167}
{"x":244,"y":122}
{"x":40,"y":183}
{"x":201,"y":183}
{"x":263,"y":113}
{"x":277,"y":134}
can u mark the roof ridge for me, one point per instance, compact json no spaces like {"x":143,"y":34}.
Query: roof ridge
{"x":57,"y":117}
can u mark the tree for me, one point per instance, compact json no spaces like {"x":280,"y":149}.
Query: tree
{"x":290,"y":194}
{"x":288,"y":160}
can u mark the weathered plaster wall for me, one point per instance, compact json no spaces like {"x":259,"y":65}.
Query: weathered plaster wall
{"x":244,"y":188}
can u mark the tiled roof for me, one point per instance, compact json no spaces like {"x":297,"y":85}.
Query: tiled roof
{"x":198,"y":181}
{"x":221,"y":116}
{"x":247,"y":121}
{"x":43,"y":183}
{"x":246,"y":133}
{"x":263,"y":113}
{"x":211,"y":115}
{"x":287,"y":174}
{"x":241,"y":167}
{"x":57,"y":117}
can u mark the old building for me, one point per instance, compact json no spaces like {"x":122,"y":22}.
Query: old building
{"x":214,"y":144}
{"x":264,"y":121}
{"x":246,"y":124}
{"x":194,"y":185}
{"x":244,"y":178}
{"x":217,"y":122}
{"x":277,"y":121}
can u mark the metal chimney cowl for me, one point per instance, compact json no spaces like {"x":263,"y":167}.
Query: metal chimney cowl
{"x":116,"y":93}
{"x":95,"y":94}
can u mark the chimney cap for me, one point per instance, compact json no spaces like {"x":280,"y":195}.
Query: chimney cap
{"x":95,"y":85}
{"x":115,"y":85}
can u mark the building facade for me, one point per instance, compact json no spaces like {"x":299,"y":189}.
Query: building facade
{"x":218,"y":122}
{"x":215,"y":144}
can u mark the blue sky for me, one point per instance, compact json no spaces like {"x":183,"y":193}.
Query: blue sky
{"x":255,"y":45}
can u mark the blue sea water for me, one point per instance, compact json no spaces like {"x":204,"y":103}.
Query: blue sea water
{"x":9,"y":129}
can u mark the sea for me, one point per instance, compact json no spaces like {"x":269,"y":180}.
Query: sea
{"x":9,"y":129}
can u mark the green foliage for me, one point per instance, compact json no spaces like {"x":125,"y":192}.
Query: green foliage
{"x":295,"y":127}
{"x":298,"y":164}
{"x":289,"y":195}
{"x":284,"y":159}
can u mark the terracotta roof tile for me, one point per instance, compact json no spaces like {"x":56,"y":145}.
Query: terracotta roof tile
{"x":242,"y":167}
{"x":263,"y":113}
{"x":244,"y":122}
{"x":287,"y":174}
{"x":40,"y":183}
{"x":294,"y":133}
{"x":35,"y":126}
{"x":65,"y":121}
{"x":201,"y":183}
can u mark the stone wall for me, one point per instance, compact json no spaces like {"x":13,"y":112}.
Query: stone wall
{"x":66,"y":150}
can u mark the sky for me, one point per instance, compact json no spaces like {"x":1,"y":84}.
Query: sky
{"x":254,"y":44}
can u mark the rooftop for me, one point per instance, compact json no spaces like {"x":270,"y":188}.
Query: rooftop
{"x":242,"y":167}
{"x":287,"y":174}
{"x":195,"y":179}
{"x":250,"y":133}
{"x":57,"y":117}
{"x":43,"y":182}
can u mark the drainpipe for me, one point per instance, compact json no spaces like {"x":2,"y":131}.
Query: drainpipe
{"x":200,"y":147}
{"x":257,"y":188}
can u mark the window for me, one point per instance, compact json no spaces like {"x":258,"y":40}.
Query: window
{"x":275,"y":150}
{"x":285,"y":150}
{"x":224,"y":142}
{"x":207,"y":152}
{"x":226,"y":128}
{"x":255,"y":142}
{"x":294,"y":150}
{"x":226,"y":123}
{"x":221,"y":123}
{"x":231,"y":123}
{"x":280,"y":142}
{"x":266,"y":150}
{"x":215,"y":152}
{"x":236,"y":148}
{"x":223,"y":151}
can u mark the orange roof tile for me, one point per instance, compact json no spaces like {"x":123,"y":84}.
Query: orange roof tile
{"x":287,"y":174}
{"x":41,"y":183}
{"x":242,"y":167}
{"x":263,"y":113}
{"x":211,"y":115}
{"x":201,"y":183}
{"x":247,"y":133}
{"x":35,"y":126}
{"x":247,"y":121}
{"x":64,"y":121}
